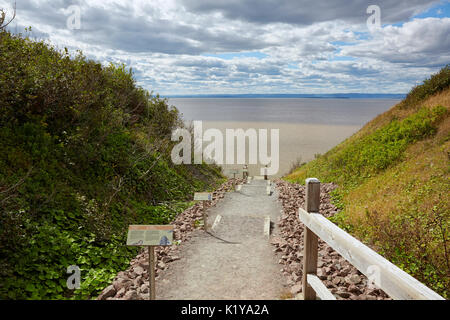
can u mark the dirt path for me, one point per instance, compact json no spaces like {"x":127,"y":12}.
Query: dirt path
{"x":234,"y":261}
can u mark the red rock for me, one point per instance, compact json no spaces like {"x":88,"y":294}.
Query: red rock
{"x":139,"y":270}
{"x":353,"y":279}
{"x":108,"y":292}
{"x":122,"y":283}
{"x":343,"y":294}
{"x":296,"y":288}
{"x":131,"y":295}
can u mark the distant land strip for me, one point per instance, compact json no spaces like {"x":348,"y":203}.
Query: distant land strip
{"x":308,"y":96}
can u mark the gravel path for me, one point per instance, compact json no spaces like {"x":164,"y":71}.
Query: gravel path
{"x":233,"y":261}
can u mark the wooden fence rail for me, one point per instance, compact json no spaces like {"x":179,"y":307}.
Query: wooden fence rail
{"x":385,"y":275}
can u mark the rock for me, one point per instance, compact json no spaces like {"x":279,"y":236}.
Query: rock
{"x":344,"y":272}
{"x":295,"y":266}
{"x":143,"y":296}
{"x":122,"y":283}
{"x":296,"y":289}
{"x":121,"y":293}
{"x":144,"y":265}
{"x":131,"y":295}
{"x":138,"y":270}
{"x":353,"y":279}
{"x":321,"y":274}
{"x":138,"y":281}
{"x":354,"y":289}
{"x":343,"y":294}
{"x":108,"y":292}
{"x":337,"y":280}
{"x":144,"y":288}
{"x":296,"y":277}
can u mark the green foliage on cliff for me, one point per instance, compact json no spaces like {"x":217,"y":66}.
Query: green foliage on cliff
{"x":394,"y":179}
{"x":84,"y":152}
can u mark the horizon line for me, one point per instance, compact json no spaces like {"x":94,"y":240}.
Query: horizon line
{"x":288,"y":95}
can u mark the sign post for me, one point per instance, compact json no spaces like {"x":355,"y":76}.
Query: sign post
{"x":152,"y":272}
{"x":234,"y":173}
{"x":203,"y":196}
{"x":150,"y":236}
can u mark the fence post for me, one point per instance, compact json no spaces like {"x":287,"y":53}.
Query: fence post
{"x":312,"y":204}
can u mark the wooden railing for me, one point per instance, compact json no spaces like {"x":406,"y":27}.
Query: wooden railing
{"x":385,"y":275}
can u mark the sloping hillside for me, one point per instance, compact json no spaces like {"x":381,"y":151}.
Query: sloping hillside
{"x":84,"y":152}
{"x":393,"y":178}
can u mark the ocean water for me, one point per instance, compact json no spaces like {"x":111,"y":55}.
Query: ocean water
{"x":306,"y":126}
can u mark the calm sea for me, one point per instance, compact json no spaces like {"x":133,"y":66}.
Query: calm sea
{"x":307,"y":126}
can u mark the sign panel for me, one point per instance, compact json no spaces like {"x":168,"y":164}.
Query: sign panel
{"x":203,"y":196}
{"x":150,"y":235}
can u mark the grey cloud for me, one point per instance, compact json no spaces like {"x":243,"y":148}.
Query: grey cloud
{"x":306,"y":12}
{"x":119,"y":28}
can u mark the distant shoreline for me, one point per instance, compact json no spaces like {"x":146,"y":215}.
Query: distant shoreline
{"x":284,"y":96}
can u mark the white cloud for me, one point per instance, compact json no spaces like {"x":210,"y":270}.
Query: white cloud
{"x":327,"y":51}
{"x":421,"y":42}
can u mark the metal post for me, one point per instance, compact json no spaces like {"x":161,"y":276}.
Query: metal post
{"x":151,"y":272}
{"x":204,"y":215}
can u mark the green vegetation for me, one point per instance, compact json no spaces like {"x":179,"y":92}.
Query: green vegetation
{"x":84,"y":152}
{"x":393,"y":178}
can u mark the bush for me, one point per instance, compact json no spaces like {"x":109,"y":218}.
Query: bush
{"x":84,"y":152}
{"x":435,"y":84}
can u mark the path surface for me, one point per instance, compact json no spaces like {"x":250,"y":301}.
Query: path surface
{"x":244,"y":266}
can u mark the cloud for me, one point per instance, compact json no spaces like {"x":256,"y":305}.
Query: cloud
{"x":421,"y":42}
{"x":192,"y":47}
{"x":306,"y":12}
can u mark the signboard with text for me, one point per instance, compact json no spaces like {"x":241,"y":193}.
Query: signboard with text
{"x":202,"y":196}
{"x":152,"y":235}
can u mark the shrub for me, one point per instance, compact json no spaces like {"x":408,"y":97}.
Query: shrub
{"x":84,"y":152}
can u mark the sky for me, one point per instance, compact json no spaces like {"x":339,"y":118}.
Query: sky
{"x":190,"y":47}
